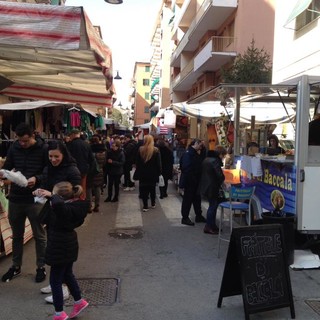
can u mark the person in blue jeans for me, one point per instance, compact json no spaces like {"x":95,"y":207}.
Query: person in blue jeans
{"x":68,"y":212}
{"x":211,"y":181}
{"x":190,"y":165}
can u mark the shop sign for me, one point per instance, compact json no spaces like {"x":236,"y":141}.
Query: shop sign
{"x":276,"y":186}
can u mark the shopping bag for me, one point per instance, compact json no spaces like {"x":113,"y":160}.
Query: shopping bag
{"x":161,"y":181}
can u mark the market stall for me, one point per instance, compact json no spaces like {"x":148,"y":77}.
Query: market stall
{"x":53,"y":53}
{"x":290,"y":181}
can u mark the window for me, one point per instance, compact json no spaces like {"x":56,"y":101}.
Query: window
{"x":312,"y":13}
{"x":146,"y":109}
{"x":147,"y":95}
{"x":147,"y":69}
{"x":146,"y":82}
{"x":146,"y":120}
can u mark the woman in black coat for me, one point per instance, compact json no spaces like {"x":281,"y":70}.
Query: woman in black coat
{"x":212,"y":178}
{"x":148,"y":169}
{"x":167,"y":160}
{"x":61,"y":167}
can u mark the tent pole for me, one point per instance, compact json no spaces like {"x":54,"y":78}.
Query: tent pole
{"x":237,"y":123}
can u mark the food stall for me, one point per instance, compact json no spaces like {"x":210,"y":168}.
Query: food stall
{"x":289,"y":181}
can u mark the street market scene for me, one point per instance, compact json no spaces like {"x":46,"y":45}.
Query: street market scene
{"x":165,"y":169}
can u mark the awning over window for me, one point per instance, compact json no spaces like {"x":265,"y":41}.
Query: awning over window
{"x":154,"y":83}
{"x":53,"y":53}
{"x":300,"y":6}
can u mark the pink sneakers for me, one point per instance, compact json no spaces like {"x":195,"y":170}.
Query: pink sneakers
{"x":63,"y":316}
{"x":77,"y":308}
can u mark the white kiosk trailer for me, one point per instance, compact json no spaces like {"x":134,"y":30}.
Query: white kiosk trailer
{"x":294,"y":176}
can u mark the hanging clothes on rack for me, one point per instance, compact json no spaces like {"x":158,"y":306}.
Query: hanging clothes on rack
{"x":99,"y":123}
{"x":75,"y":119}
{"x":85,"y":121}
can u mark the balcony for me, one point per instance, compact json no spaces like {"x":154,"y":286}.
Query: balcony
{"x":182,"y":81}
{"x":217,"y":52}
{"x":210,"y":16}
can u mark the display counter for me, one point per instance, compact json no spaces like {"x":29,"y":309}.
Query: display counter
{"x":274,"y":179}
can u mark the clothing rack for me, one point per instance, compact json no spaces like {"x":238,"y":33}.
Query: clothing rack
{"x":73,"y":108}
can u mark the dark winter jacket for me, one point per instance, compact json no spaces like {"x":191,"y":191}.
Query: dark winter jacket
{"x":30,"y":162}
{"x":81,"y":152}
{"x":62,"y":243}
{"x":148,"y":172}
{"x":166,"y":161}
{"x":212,"y":177}
{"x":98,"y":179}
{"x":130,"y":149}
{"x":118,"y":160}
{"x":190,"y":165}
{"x":66,"y":171}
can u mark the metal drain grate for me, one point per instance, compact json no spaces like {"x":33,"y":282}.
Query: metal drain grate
{"x":98,"y":291}
{"x":314,"y":305}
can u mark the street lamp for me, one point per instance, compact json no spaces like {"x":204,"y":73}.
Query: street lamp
{"x":117,"y":77}
{"x":114,"y":1}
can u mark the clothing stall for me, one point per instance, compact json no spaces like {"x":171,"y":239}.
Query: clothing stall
{"x":51,"y":120}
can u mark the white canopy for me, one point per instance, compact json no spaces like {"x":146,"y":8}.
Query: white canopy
{"x":206,"y":110}
{"x":264,"y":112}
{"x":30,"y":105}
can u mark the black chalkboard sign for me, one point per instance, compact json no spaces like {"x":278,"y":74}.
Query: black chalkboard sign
{"x":256,"y":267}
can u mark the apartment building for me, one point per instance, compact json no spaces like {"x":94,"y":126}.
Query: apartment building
{"x":141,"y":98}
{"x":161,"y":56}
{"x":209,"y":34}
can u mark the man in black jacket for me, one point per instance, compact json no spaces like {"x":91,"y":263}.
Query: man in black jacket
{"x":82,"y":153}
{"x":130,"y":149}
{"x":190,"y":165}
{"x":29,"y":156}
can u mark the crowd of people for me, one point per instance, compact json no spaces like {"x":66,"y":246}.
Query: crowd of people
{"x":65,"y":180}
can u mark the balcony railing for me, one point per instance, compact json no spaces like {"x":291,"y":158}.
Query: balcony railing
{"x":183,"y":42}
{"x":223,"y":44}
{"x":204,"y":60}
{"x":184,"y":73}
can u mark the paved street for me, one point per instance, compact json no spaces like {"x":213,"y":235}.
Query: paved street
{"x":166,"y":271}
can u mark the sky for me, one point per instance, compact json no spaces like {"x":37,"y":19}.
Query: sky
{"x":126,"y":29}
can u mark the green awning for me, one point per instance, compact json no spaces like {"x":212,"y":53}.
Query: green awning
{"x":300,"y":6}
{"x":154,"y":83}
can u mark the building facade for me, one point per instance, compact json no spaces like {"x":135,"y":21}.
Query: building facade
{"x":209,"y":34}
{"x":195,"y":39}
{"x":141,"y":98}
{"x":296,"y":51}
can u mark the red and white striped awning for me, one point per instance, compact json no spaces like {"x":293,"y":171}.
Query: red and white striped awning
{"x":53,"y":53}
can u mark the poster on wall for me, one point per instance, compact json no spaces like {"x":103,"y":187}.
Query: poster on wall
{"x":212,"y":136}
{"x":221,"y":132}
